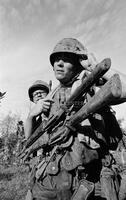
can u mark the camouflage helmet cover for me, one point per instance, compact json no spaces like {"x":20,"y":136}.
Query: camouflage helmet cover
{"x":37,"y":85}
{"x":69,"y":45}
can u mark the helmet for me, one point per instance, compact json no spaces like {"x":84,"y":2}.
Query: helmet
{"x":37,"y":85}
{"x":69,"y":45}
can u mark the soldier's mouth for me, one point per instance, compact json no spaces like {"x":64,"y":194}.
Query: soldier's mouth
{"x":59,"y":71}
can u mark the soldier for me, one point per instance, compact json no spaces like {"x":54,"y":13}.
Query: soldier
{"x":84,"y":168}
{"x":37,"y":93}
{"x":37,"y":113}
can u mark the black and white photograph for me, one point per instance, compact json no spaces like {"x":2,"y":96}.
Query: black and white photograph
{"x":62,"y":100}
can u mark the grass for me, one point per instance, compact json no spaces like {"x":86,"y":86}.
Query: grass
{"x":13,"y":182}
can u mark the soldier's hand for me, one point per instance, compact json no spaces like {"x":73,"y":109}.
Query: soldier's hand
{"x":90,"y":63}
{"x":46,"y":103}
{"x":42,"y":106}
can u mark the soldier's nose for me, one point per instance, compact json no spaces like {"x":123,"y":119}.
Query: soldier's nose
{"x":60,"y":63}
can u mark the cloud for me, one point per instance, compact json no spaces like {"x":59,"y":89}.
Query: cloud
{"x":23,"y":17}
{"x":2,"y":12}
{"x":109,"y":3}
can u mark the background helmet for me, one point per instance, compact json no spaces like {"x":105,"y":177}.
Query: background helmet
{"x":69,"y":45}
{"x":38,"y":85}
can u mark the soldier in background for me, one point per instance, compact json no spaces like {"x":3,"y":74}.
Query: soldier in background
{"x":87,"y":159}
{"x":37,"y":114}
{"x":38,"y":111}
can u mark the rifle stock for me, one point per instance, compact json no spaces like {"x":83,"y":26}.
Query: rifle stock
{"x":107,"y":95}
{"x":87,"y":82}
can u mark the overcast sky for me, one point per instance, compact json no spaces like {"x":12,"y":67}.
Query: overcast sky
{"x":29,"y":29}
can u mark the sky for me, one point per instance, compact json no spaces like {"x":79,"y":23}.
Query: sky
{"x":29,"y":30}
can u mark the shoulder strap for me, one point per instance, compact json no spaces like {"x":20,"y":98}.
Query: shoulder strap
{"x":52,"y":93}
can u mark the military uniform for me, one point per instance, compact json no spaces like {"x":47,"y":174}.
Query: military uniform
{"x":83,"y":169}
{"x":83,"y":160}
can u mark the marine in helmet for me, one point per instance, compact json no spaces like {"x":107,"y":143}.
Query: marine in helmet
{"x":68,"y":50}
{"x":37,"y":86}
{"x":37,"y":94}
{"x":74,"y":173}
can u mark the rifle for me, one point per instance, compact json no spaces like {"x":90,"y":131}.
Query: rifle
{"x":107,"y":95}
{"x":100,"y":69}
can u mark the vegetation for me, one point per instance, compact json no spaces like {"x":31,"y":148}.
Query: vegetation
{"x":13,"y":182}
{"x":13,"y":175}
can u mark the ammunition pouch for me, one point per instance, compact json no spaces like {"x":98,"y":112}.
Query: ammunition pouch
{"x":84,"y":190}
{"x":53,"y":167}
{"x":53,"y":187}
{"x":80,"y":154}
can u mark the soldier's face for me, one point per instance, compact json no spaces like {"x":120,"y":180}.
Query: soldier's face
{"x":39,"y":94}
{"x":64,"y":67}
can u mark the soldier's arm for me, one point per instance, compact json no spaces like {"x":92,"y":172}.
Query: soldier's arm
{"x":28,"y":126}
{"x":33,"y":113}
{"x":42,"y":106}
